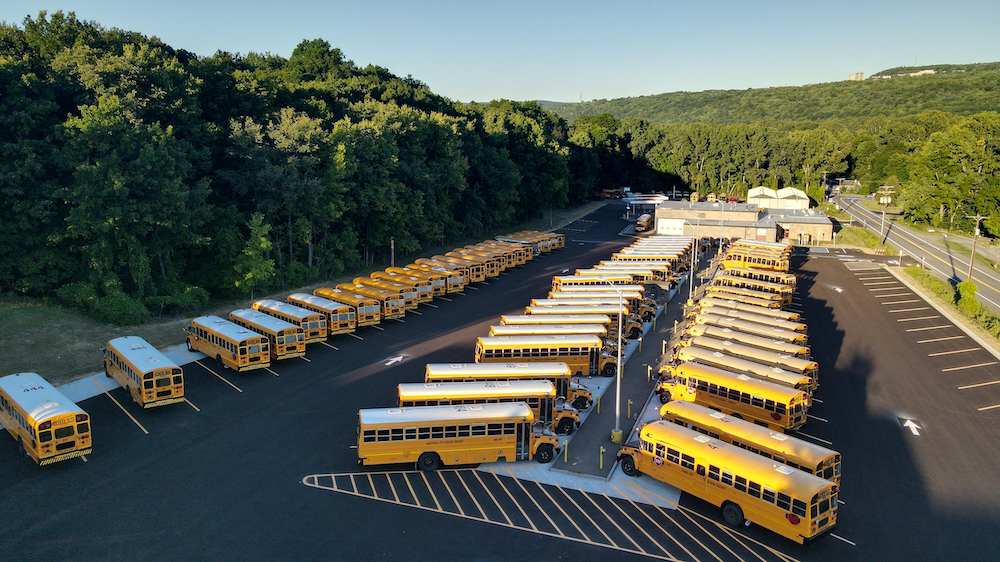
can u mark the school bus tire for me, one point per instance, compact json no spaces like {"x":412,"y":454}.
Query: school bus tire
{"x":628,"y":466}
{"x":609,"y":370}
{"x":664,"y":398}
{"x":647,"y":316}
{"x":580,"y":403}
{"x":565,"y":426}
{"x":428,"y":462}
{"x":732,"y":514}
{"x":633,"y":333}
{"x":190,"y":347}
{"x":545,"y":453}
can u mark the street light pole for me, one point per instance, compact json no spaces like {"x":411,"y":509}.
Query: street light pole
{"x":885,"y":197}
{"x":975,"y":237}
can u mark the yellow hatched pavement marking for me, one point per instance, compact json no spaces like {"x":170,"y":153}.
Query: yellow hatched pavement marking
{"x":585,"y":514}
{"x":471,"y":495}
{"x":416,"y":500}
{"x":495,"y":502}
{"x":637,"y":526}
{"x":731,"y":533}
{"x":551,"y":522}
{"x":450,"y":493}
{"x":559,"y":507}
{"x":222,"y":378}
{"x":671,"y":519}
{"x":612,"y":521}
{"x":431,"y":491}
{"x":392,"y":487}
{"x":117,"y":403}
{"x":528,"y":519}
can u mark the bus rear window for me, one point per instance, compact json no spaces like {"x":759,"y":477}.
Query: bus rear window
{"x":45,"y":436}
{"x":63,"y":432}
{"x":82,"y":428}
{"x":160,"y":383}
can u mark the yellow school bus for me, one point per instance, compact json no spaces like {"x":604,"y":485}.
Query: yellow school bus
{"x":750,"y":243}
{"x":721,"y":291}
{"x":767,"y":344}
{"x":741,"y":365}
{"x":232,"y":346}
{"x":631,"y":324}
{"x":454,"y":282}
{"x":423,"y":287}
{"x":523,"y":252}
{"x":707,"y":303}
{"x":508,"y":254}
{"x":790,"y":325}
{"x":47,"y":426}
{"x":390,"y":305}
{"x":556,"y":372}
{"x":367,"y":310}
{"x":340,"y":318}
{"x":784,"y":361}
{"x":476,"y":269}
{"x":660,"y":271}
{"x":286,"y":339}
{"x":531,"y":319}
{"x":313,"y":324}
{"x":644,"y":223}
{"x":559,"y":282}
{"x":149,"y":378}
{"x":770,"y":303}
{"x":432,"y":436}
{"x":749,"y":258}
{"x":583,"y":353}
{"x":639,"y":307}
{"x":539,"y":395}
{"x":438,"y":280}
{"x":789,"y":502}
{"x":763,"y":275}
{"x":406,"y":294}
{"x":493,"y":264}
{"x":598,"y":330}
{"x":751,"y":328}
{"x":779,"y":447}
{"x":735,"y":281}
{"x":463,"y":271}
{"x":764,"y":403}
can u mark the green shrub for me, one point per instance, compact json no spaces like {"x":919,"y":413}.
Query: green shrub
{"x":967,"y":302}
{"x":180,"y":298}
{"x":119,"y":309}
{"x":79,"y":296}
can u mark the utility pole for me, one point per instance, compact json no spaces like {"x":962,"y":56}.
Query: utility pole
{"x":975,"y":237}
{"x":885,"y":193}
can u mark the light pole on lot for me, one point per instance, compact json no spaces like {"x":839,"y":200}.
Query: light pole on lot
{"x":885,"y":197}
{"x":975,"y":237}
{"x":695,"y":246}
{"x":616,"y":433}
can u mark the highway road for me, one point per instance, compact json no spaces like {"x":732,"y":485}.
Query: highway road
{"x":929,"y":249}
{"x":260,"y":466}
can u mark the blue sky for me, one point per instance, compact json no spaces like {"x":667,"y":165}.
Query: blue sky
{"x":562,"y":51}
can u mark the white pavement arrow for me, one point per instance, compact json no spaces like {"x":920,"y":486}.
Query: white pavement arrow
{"x":395,"y":359}
{"x":914,"y":428}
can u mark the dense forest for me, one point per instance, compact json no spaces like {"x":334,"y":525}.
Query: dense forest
{"x":144,"y":180}
{"x":141,"y":179}
{"x":961,"y":89}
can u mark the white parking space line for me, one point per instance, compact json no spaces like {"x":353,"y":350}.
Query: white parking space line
{"x":895,"y":295}
{"x":886,"y":289}
{"x":953,"y":352}
{"x":909,"y":309}
{"x":940,"y":339}
{"x":818,"y":418}
{"x":978,"y":385}
{"x":900,"y":302}
{"x":356,"y":336}
{"x":984,"y":408}
{"x":882,"y":283}
{"x":917,"y":318}
{"x":873,"y":278}
{"x":962,"y":368}
{"x":378,"y":328}
{"x":814,"y":437}
{"x":930,"y":328}
{"x":843,"y":539}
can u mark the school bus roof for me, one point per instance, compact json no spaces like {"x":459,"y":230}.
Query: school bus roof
{"x":462,"y":390}
{"x":584,"y":295}
{"x":226,"y":328}
{"x":703,"y":416}
{"x":609,"y":277}
{"x":319,"y":302}
{"x":713,"y":302}
{"x":39,"y":399}
{"x":284,"y":308}
{"x":746,"y":383}
{"x":750,"y":353}
{"x":538,"y":368}
{"x":579,"y":340}
{"x":141,"y":354}
{"x":763,"y":342}
{"x":424,"y":414}
{"x":759,"y":319}
{"x":775,"y":287}
{"x":745,"y":292}
{"x":608,"y":309}
{"x":269,"y":323}
{"x":752,"y":327}
{"x":764,"y":471}
{"x":739,"y":365}
{"x":509,"y":319}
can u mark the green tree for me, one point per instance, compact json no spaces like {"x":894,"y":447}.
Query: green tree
{"x":253,"y":270}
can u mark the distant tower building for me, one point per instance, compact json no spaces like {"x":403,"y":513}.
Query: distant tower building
{"x":856,"y":76}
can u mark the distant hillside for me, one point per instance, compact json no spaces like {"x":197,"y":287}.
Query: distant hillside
{"x":960,"y":89}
